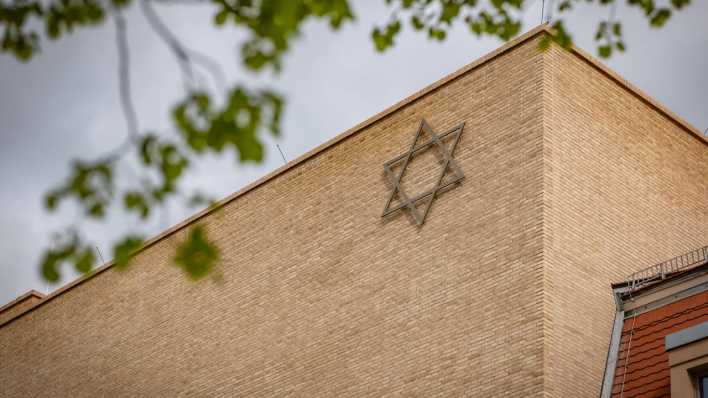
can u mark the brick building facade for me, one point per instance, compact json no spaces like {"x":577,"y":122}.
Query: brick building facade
{"x":659,"y":344}
{"x":572,"y":180}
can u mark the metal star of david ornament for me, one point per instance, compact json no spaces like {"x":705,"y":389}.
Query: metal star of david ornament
{"x":448,"y":164}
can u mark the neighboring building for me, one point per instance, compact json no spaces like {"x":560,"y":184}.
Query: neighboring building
{"x":659,"y":347}
{"x":559,"y":178}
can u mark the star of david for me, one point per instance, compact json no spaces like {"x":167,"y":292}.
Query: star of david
{"x":445,"y":152}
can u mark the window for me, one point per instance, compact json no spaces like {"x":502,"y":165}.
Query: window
{"x":688,"y":361}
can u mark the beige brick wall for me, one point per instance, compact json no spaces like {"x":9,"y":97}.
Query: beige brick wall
{"x":572,"y":182}
{"x":625,"y":187}
{"x":319,"y":296}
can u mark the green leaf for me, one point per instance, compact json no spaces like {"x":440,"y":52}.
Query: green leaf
{"x":49,"y":267}
{"x":220,"y":17}
{"x":196,"y":255}
{"x":91,"y":184}
{"x":604,"y":51}
{"x":544,"y":43}
{"x":84,"y":261}
{"x":136,"y":201}
{"x":19,"y":37}
{"x":678,"y":4}
{"x":384,"y":38}
{"x":120,"y":3}
{"x":125,"y":250}
{"x":561,"y":36}
{"x":617,"y":29}
{"x":660,"y":17}
{"x":236,"y":125}
{"x":276,"y":104}
{"x":436,"y":34}
{"x":199,"y":199}
{"x":67,"y":248}
{"x":97,"y":210}
{"x":51,"y":200}
{"x":147,"y":149}
{"x":272,"y":25}
{"x":417,"y":23}
{"x":449,"y":12}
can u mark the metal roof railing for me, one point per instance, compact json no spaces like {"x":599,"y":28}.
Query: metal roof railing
{"x":660,"y":271}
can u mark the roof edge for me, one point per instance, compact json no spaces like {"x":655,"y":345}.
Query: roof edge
{"x":541,"y":29}
{"x":27,"y":295}
{"x":636,"y":91}
{"x":22,"y":297}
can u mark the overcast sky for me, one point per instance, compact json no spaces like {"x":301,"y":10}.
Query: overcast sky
{"x":64,"y":103}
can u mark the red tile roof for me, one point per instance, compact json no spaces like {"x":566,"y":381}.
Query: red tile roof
{"x":643,"y":363}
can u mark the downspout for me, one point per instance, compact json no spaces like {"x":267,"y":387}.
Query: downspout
{"x":613,"y":350}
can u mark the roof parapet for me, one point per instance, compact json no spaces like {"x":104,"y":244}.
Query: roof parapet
{"x":20,"y":305}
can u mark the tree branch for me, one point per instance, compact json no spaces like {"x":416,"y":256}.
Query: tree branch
{"x":212,"y":65}
{"x":124,"y":79}
{"x":172,"y":42}
{"x":186,"y":57}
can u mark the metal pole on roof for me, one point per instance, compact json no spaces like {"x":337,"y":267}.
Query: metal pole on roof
{"x":100,"y":255}
{"x":281,"y":153}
